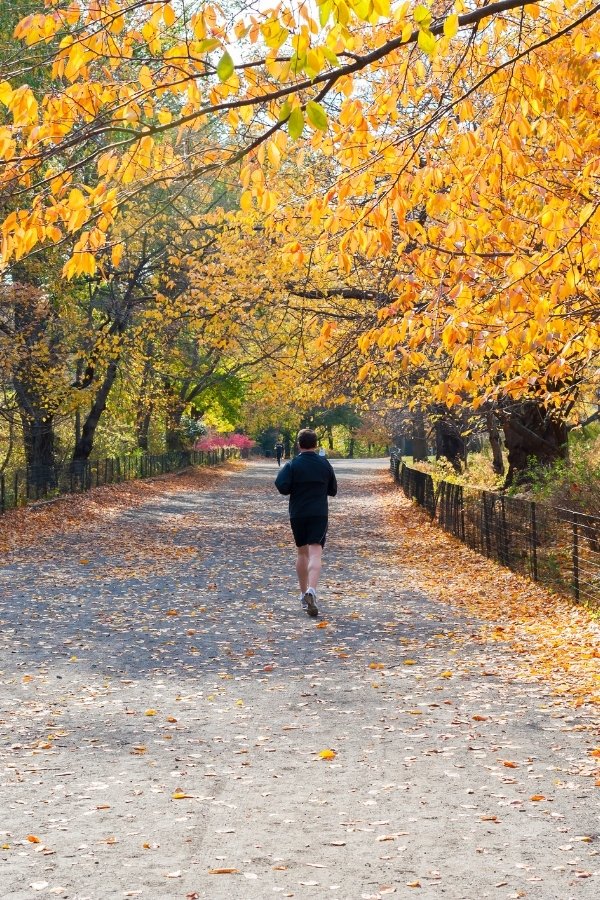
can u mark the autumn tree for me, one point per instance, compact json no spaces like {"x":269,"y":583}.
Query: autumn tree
{"x":450,"y":147}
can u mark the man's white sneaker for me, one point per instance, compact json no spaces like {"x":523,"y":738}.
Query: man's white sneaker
{"x":310,"y":599}
{"x":301,"y":599}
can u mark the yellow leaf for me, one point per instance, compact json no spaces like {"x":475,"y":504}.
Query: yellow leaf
{"x":6,"y":93}
{"x":409,"y":662}
{"x":451,"y":26}
{"x":169,"y":15}
{"x":426,"y":42}
{"x":181,"y":795}
{"x":116,"y":254}
{"x":150,"y":712}
{"x":327,"y":754}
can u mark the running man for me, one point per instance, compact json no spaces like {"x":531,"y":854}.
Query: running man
{"x":279,"y":451}
{"x":308,"y":480}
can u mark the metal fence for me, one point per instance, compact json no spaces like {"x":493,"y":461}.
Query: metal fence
{"x":558,"y":547}
{"x":46,"y":482}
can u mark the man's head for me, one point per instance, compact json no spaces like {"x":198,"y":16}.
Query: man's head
{"x":307,"y":439}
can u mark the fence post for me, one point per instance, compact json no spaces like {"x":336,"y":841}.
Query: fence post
{"x":486,"y":524}
{"x":576,"y":554}
{"x":534,"y":566}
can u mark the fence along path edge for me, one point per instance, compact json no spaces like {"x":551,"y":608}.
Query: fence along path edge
{"x":47,"y":482}
{"x":559,"y":548}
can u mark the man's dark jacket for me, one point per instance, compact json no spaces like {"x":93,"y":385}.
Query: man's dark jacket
{"x":309,"y":480}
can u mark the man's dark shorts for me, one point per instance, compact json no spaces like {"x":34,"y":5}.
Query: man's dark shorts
{"x":309,"y":530}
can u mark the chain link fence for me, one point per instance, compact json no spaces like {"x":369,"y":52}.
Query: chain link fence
{"x":560,"y":548}
{"x":38,"y":483}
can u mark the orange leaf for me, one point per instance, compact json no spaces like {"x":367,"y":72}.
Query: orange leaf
{"x":536,"y":797}
{"x":323,"y":624}
{"x":33,"y":839}
{"x":510,"y":764}
{"x":223,"y":871}
{"x":479,"y":718}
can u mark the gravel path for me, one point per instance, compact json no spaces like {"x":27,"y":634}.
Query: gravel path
{"x":164,"y":701}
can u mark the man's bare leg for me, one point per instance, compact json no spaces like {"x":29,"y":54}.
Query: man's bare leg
{"x":315,"y":555}
{"x":302,"y":568}
{"x":308,"y":570}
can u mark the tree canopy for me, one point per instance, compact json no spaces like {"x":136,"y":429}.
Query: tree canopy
{"x":416,"y":184}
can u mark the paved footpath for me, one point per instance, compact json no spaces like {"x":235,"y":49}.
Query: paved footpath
{"x":164,"y":701}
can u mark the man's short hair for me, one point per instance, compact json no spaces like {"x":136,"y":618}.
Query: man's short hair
{"x":307,"y":439}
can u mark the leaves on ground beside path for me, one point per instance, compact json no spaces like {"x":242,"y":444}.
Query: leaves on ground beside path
{"x":559,"y":641}
{"x":27,"y":526}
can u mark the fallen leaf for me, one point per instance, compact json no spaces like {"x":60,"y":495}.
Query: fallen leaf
{"x":150,"y":712}
{"x":510,"y":764}
{"x":536,"y":797}
{"x":323,"y":624}
{"x":32,"y":839}
{"x":327,"y":754}
{"x":413,"y":884}
{"x":223,"y":871}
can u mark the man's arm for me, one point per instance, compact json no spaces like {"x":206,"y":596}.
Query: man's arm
{"x":332,"y":485}
{"x":283,"y":482}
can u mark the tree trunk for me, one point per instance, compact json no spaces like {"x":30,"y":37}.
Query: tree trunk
{"x":38,"y":436}
{"x":142,"y":426}
{"x":351,"y":448}
{"x":533,"y":436}
{"x":173,"y":436}
{"x":38,"y":439}
{"x":495,"y":444}
{"x":419,"y":443}
{"x":144,"y":405}
{"x":287,"y":444}
{"x":329,"y":431}
{"x":449,"y":443}
{"x":85,"y":444}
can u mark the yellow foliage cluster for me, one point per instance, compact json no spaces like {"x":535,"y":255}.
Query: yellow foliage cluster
{"x":455,"y":156}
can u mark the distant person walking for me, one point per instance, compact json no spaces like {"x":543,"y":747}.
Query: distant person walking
{"x":308,"y":480}
{"x":279,"y":451}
